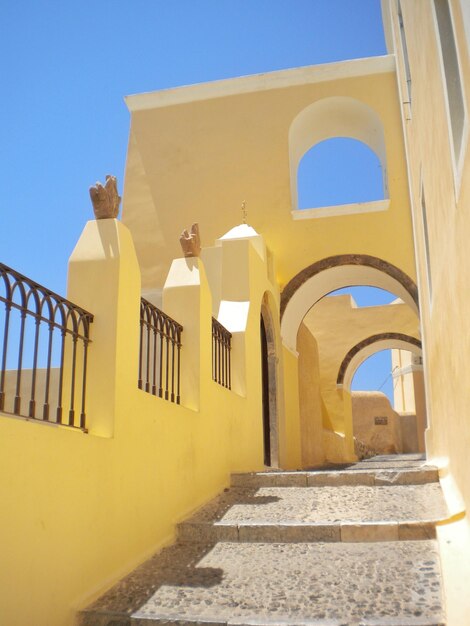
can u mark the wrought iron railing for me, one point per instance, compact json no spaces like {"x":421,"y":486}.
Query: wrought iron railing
{"x":160,"y":348}
{"x":221,"y":347}
{"x":43,"y":352}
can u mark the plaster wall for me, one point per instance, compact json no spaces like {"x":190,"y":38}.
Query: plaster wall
{"x":441,"y":232}
{"x":441,"y":229}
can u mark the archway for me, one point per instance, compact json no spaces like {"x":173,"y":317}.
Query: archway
{"x":346,"y":270}
{"x":402,"y":421}
{"x":364,"y":349}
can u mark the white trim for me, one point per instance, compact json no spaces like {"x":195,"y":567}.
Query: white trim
{"x":341,"y":209}
{"x":457,"y":164}
{"x":262,"y":82}
{"x":415,"y":217}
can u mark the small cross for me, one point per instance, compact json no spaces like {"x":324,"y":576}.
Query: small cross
{"x":244,"y":213}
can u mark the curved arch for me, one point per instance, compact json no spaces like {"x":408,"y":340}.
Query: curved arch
{"x":337,"y":116}
{"x":365,"y":348}
{"x":335,"y":272}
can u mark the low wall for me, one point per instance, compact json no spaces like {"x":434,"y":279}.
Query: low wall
{"x":81,"y":510}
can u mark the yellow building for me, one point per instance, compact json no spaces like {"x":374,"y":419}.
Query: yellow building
{"x":194,"y":154}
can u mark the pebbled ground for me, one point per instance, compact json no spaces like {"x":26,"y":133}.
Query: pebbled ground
{"x":324,"y":505}
{"x":232,"y":583}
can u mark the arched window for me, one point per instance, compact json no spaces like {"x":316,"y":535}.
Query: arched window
{"x":329,"y":131}
{"x":339,"y":171}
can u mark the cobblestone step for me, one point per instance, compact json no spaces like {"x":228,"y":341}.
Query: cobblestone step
{"x":353,"y":476}
{"x":259,"y":584}
{"x":348,"y":513}
{"x":289,"y":549}
{"x":380,"y":531}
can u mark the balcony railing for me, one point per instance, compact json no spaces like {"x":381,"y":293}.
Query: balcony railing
{"x":221,"y":347}
{"x":160,"y":347}
{"x":43,"y":352}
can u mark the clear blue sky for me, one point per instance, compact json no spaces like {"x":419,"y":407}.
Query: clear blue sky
{"x":66,"y":67}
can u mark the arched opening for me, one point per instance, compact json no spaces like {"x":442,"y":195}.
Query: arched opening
{"x":358,"y":175}
{"x":334,"y":336}
{"x":335,"y":117}
{"x":332,"y":273}
{"x":390,"y":416}
{"x":365,"y":348}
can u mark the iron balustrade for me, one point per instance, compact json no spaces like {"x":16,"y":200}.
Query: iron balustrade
{"x":160,"y":349}
{"x":221,"y":347}
{"x":45,"y":331}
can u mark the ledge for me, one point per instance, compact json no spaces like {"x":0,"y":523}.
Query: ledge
{"x":341,"y":209}
{"x":280,"y":79}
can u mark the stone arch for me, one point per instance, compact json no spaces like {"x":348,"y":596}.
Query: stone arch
{"x":337,"y":116}
{"x":267,"y":316}
{"x":335,"y":272}
{"x":369,"y":346}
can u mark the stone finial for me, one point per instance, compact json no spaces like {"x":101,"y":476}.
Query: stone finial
{"x":105,"y":199}
{"x":191,"y":242}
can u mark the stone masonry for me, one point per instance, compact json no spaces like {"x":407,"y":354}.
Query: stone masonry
{"x":353,"y":547}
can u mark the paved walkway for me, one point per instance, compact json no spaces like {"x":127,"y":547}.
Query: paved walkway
{"x":256,"y":556}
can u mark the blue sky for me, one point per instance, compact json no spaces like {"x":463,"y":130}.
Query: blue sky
{"x":66,"y":67}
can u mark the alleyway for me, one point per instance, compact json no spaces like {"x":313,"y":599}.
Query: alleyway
{"x":348,"y":547}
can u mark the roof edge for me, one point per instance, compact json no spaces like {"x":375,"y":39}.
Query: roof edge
{"x":261,"y":82}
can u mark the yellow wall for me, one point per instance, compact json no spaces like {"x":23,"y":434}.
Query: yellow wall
{"x":80,"y":510}
{"x":443,"y":270}
{"x":444,"y":311}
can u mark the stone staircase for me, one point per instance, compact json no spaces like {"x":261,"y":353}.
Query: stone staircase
{"x":350,"y":547}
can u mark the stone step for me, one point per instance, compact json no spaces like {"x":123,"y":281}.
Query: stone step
{"x":272,"y":584}
{"x":347,"y":513}
{"x":368,"y":476}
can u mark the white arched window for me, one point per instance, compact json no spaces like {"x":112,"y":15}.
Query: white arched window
{"x":339,"y":171}
{"x":332,"y":128}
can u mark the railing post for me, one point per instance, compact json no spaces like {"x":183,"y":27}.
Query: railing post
{"x":104,"y":277}
{"x":187,"y":298}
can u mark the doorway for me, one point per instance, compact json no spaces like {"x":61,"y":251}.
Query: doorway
{"x":265,"y":387}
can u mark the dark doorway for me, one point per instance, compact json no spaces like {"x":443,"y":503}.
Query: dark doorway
{"x":265,"y":384}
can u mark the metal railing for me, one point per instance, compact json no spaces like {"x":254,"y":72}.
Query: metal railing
{"x":160,"y":347}
{"x":221,"y":347}
{"x":43,"y":352}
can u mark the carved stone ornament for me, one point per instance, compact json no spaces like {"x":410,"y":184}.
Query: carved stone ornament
{"x":191,"y":242}
{"x":105,"y":199}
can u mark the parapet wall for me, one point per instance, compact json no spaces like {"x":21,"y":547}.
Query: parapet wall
{"x":81,"y":510}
